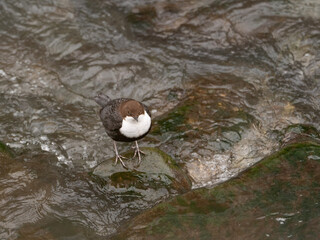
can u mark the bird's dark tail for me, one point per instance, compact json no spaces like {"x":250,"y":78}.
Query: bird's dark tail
{"x":102,"y":99}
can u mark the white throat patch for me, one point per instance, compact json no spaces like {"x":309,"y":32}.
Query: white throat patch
{"x":132,"y":128}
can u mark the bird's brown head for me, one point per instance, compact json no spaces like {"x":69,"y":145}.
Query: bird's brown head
{"x":131,"y":108}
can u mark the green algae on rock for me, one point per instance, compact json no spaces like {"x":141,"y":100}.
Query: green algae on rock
{"x":157,"y":170}
{"x":4,"y":149}
{"x":296,"y":133}
{"x":276,"y":198}
{"x":6,"y":161}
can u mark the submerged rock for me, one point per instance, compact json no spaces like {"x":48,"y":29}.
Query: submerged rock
{"x":5,"y":150}
{"x":6,"y":161}
{"x":156,"y":171}
{"x":276,"y":198}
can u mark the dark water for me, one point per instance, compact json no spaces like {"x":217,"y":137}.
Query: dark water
{"x":224,"y":79}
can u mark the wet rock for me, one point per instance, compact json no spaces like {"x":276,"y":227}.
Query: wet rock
{"x":276,"y":198}
{"x":207,"y":121}
{"x":6,"y":155}
{"x":5,"y":150}
{"x":157,"y":171}
{"x":142,"y":16}
{"x":296,"y":133}
{"x":212,"y":131}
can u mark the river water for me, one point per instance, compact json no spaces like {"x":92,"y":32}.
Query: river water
{"x":224,"y":79}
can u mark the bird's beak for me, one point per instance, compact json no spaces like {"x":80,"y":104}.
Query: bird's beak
{"x":136,"y":118}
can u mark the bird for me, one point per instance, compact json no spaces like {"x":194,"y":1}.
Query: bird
{"x":125,"y":120}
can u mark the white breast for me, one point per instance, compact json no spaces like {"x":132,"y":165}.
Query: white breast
{"x":132,"y":128}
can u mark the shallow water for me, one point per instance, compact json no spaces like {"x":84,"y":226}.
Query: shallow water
{"x":223,"y":79}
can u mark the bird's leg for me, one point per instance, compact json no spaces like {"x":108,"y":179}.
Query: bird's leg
{"x":118,"y":157}
{"x":138,"y":151}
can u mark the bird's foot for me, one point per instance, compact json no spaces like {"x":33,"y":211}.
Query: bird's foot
{"x":119,"y":157}
{"x":138,"y":152}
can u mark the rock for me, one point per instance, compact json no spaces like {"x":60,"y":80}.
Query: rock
{"x":6,"y":161}
{"x":5,"y":150}
{"x":296,"y":133}
{"x":277,"y":198}
{"x":157,"y":170}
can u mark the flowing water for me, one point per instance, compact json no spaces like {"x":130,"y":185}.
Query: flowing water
{"x":224,"y":79}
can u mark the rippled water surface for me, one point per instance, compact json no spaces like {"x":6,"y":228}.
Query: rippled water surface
{"x":223,"y":80}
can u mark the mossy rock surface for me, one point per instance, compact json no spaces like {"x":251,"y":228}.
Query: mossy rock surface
{"x":157,"y":170}
{"x":6,"y":161}
{"x":278,"y":198}
{"x":5,"y":150}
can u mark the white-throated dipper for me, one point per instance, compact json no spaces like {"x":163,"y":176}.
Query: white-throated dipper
{"x":125,"y":120}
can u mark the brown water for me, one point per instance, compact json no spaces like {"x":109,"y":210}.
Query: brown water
{"x":223,"y":78}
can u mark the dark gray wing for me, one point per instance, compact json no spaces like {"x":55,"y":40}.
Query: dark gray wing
{"x":102,"y":99}
{"x":110,"y":116}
